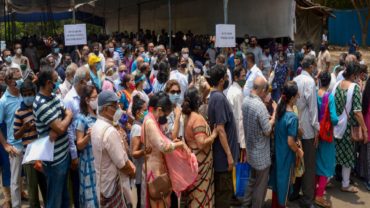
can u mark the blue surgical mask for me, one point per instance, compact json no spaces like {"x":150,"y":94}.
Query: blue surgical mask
{"x":8,"y":59}
{"x":174,"y":98}
{"x":98,"y":66}
{"x":19,"y":83}
{"x":56,"y":50}
{"x":28,"y":101}
{"x":56,"y":86}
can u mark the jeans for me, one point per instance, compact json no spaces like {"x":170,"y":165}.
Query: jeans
{"x":56,"y":180}
{"x":5,"y":164}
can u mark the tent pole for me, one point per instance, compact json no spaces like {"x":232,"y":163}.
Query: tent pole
{"x":226,"y":2}
{"x":119,"y":16}
{"x":74,"y":12}
{"x":169,"y":24}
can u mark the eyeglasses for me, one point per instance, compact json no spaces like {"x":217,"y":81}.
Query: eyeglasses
{"x":175,"y":91}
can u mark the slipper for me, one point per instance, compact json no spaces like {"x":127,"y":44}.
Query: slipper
{"x":349,"y":189}
{"x":322,"y":202}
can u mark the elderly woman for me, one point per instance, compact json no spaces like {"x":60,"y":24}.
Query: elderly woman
{"x":199,"y":139}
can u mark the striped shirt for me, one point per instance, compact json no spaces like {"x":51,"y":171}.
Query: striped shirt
{"x":22,"y":116}
{"x":46,"y":110}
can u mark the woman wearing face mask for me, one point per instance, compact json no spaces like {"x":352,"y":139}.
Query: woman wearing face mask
{"x":128,"y":84}
{"x":199,"y":139}
{"x":139,"y":85}
{"x":350,"y":115}
{"x":161,"y":78}
{"x":85,"y":120}
{"x":175,"y":122}
{"x":281,"y":76}
{"x":159,"y":161}
{"x":139,"y":111}
{"x":110,"y":76}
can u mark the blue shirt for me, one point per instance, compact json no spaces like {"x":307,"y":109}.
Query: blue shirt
{"x":72,"y":102}
{"x":9,"y":104}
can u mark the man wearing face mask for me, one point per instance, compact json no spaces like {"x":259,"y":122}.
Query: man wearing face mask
{"x":252,"y":72}
{"x":97,"y":52}
{"x":257,"y":124}
{"x":235,"y":98}
{"x":68,"y":82}
{"x":186,"y":55}
{"x":245,"y":44}
{"x":72,"y":103}
{"x":67,"y":60}
{"x":19,"y":59}
{"x":110,"y":158}
{"x":179,"y":75}
{"x":9,"y":103}
{"x":52,"y":120}
{"x":225,"y":146}
{"x":56,"y":54}
{"x":7,"y":57}
{"x":323,"y":59}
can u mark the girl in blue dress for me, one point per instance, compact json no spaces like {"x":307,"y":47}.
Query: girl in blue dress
{"x":286,"y":147}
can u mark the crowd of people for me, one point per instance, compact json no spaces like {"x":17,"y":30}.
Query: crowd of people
{"x":137,"y":124}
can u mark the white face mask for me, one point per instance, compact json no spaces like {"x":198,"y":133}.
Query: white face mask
{"x":185,"y":55}
{"x":89,"y":82}
{"x":111,"y":50}
{"x":18,"y":51}
{"x":117,"y":116}
{"x":93,"y":104}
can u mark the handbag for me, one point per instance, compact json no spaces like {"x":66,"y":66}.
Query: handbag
{"x":160,"y":187}
{"x":356,"y":131}
{"x":242,"y":171}
{"x":117,"y":198}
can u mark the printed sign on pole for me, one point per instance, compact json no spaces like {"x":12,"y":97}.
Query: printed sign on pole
{"x":75,"y":34}
{"x":225,"y":35}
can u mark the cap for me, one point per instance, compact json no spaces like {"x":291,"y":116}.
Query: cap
{"x":106,"y":97}
{"x":15,"y":66}
{"x":93,"y":59}
{"x":239,"y":55}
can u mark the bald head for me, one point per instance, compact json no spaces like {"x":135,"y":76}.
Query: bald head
{"x":259,"y":83}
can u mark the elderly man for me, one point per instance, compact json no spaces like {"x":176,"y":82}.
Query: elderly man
{"x":51,"y":118}
{"x":257,"y":127}
{"x":72,"y":103}
{"x":67,"y":84}
{"x":190,"y":62}
{"x":9,"y":103}
{"x":19,"y":59}
{"x":110,"y":157}
{"x":308,"y":121}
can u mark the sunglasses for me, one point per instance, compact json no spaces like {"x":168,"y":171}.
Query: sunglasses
{"x":175,"y":91}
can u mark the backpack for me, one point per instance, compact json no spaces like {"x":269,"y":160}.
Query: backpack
{"x":326,"y":127}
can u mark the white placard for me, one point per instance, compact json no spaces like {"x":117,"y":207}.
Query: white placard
{"x":225,"y":35}
{"x":75,"y":34}
{"x":40,"y":149}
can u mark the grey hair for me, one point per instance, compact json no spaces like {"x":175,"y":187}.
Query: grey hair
{"x":71,"y":69}
{"x":307,"y":61}
{"x":80,"y":74}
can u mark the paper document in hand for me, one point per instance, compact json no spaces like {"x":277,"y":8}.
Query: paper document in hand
{"x":40,"y":149}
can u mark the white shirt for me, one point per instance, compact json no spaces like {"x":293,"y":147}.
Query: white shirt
{"x":64,"y":88}
{"x":228,"y":72}
{"x":235,"y":98}
{"x":251,"y":76}
{"x":307,"y":105}
{"x":183,"y":81}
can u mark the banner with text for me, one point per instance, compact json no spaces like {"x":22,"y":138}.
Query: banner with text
{"x":75,"y":34}
{"x":225,"y":36}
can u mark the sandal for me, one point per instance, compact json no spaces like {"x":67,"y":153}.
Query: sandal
{"x":349,"y":189}
{"x":322,"y":202}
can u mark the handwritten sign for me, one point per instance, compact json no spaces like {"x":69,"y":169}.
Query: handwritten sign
{"x":75,"y":34}
{"x":225,"y":35}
